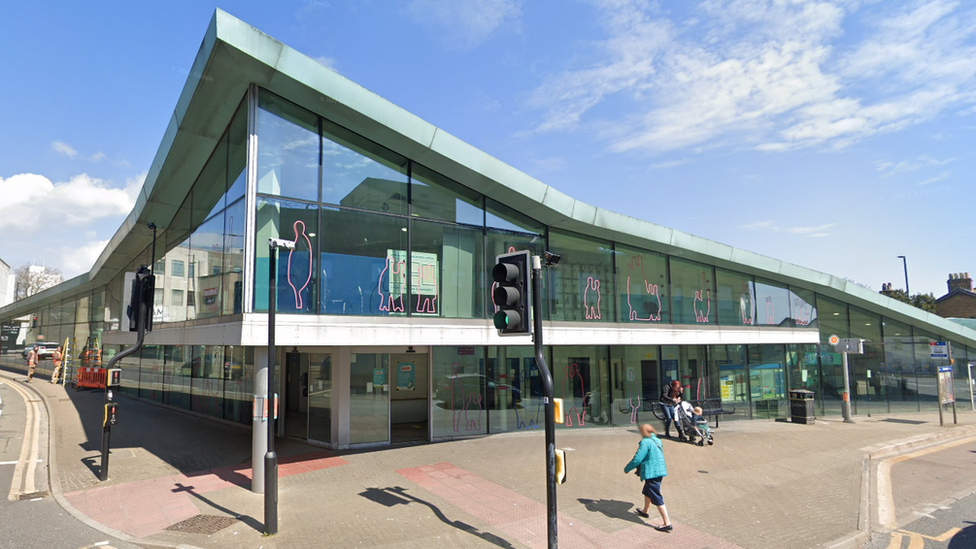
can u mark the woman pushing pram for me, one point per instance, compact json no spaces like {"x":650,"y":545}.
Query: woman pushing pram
{"x":691,"y":424}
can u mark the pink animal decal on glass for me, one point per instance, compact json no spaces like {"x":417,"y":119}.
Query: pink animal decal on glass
{"x":631,"y":385}
{"x":637,"y":262}
{"x":770,"y":310}
{"x":299,"y":230}
{"x":802,"y":312}
{"x":591,"y":298}
{"x":460,"y":405}
{"x":745,"y":305}
{"x":427,"y":276}
{"x":572,"y":372}
{"x":703,"y":296}
{"x":398,"y":269}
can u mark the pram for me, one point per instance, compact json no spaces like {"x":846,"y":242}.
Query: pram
{"x":688,"y":428}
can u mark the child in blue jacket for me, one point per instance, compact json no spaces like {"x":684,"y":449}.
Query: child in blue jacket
{"x":649,"y":462}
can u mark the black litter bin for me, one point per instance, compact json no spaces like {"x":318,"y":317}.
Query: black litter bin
{"x":801,"y":407}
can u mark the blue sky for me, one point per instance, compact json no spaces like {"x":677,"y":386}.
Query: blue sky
{"x":832,"y":134}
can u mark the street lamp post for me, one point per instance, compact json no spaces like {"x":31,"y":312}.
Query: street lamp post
{"x":904,"y":263}
{"x":271,"y":458}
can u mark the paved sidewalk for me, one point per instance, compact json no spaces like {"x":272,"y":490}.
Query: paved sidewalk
{"x":763,"y":485}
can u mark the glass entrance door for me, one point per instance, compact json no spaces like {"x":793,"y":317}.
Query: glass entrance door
{"x":410,"y":402}
{"x":319,"y":397}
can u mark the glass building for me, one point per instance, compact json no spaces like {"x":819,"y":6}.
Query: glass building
{"x":383,"y":324}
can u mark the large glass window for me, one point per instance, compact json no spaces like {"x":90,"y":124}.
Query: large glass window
{"x":319,"y":389}
{"x":772,"y":304}
{"x":463,"y":394}
{"x":151,"y":373}
{"x":499,"y":242}
{"x":434,"y":196}
{"x":515,"y":389}
{"x":692,"y":292}
{"x":867,"y":386}
{"x":581,"y":378}
{"x":803,"y":307}
{"x":637,"y":385}
{"x":767,"y":380}
{"x":833,"y":321}
{"x":207,"y":385}
{"x":232,"y":271}
{"x":364,"y":263}
{"x":447,"y":270}
{"x":237,"y":154}
{"x":688,"y":364}
{"x":900,"y":383}
{"x":295,"y":273}
{"x":729,"y":362}
{"x":736,"y":298}
{"x":369,"y":398}
{"x":581,"y":285}
{"x":238,"y":383}
{"x":359,"y":174}
{"x":288,"y":149}
{"x":926,"y":370}
{"x":206,"y":251}
{"x":642,"y":290}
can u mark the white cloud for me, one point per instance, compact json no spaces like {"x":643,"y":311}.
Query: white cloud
{"x":63,"y":148}
{"x":941,"y":177}
{"x":776,"y":75}
{"x":327,"y":62}
{"x":99,"y":156}
{"x":465,"y":23}
{"x":670,"y":164}
{"x":816,"y":231}
{"x":79,"y":259}
{"x":888,"y":168}
{"x":32,"y":201}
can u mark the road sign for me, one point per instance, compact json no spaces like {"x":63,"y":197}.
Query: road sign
{"x":851,"y":345}
{"x":939,"y":349}
{"x":833,"y":340}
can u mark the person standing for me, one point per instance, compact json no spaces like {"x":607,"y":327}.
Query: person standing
{"x":31,"y":363}
{"x":670,"y":397}
{"x":649,"y":462}
{"x":56,"y":359}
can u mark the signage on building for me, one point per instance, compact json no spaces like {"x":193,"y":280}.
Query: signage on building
{"x":465,"y":351}
{"x":946,"y":389}
{"x":939,"y":349}
{"x":210,"y":296}
{"x":405,"y":376}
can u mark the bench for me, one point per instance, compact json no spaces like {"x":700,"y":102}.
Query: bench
{"x":709,"y":406}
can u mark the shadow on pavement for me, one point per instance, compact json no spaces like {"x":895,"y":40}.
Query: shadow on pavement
{"x":966,"y":539}
{"x":612,"y":508}
{"x":390,"y":497}
{"x":248,"y":520}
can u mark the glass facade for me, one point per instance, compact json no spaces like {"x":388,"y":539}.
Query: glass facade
{"x":378,"y":234}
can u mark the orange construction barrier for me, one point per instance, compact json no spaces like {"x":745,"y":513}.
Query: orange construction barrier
{"x":93,"y":378}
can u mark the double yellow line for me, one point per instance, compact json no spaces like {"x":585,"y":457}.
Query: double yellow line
{"x":26,"y":469}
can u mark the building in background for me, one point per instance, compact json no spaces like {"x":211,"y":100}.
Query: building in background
{"x":7,"y":284}
{"x":384,"y":327}
{"x":960,"y":301}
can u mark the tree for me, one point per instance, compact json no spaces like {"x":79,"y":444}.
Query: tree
{"x":926,"y":302}
{"x":31,"y":279}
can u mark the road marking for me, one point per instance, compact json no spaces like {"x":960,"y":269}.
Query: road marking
{"x":886,"y":497}
{"x":942,"y":538}
{"x":15,"y":462}
{"x":895,"y":542}
{"x":26,"y":467}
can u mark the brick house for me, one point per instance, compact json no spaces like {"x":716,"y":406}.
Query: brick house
{"x":960,"y":302}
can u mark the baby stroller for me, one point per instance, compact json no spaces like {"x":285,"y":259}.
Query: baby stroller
{"x":688,"y":428}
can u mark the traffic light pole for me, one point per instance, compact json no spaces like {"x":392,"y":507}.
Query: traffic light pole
{"x":271,"y":458}
{"x":106,"y":426}
{"x":550,"y":418}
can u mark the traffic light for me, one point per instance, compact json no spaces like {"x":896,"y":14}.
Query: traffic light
{"x":511,"y":294}
{"x":143,"y":291}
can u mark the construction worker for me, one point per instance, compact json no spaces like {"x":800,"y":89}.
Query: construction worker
{"x":56,"y":358}
{"x":32,"y":356}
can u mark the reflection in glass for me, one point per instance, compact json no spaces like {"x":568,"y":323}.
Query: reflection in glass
{"x":434,"y":196}
{"x":447,"y":271}
{"x":516,"y":395}
{"x":900,"y":382}
{"x":320,"y":397}
{"x":636,"y":383}
{"x":729,"y":361}
{"x":369,"y":398}
{"x":207,"y":383}
{"x":642,"y":292}
{"x":803,"y":306}
{"x":232,"y":274}
{"x":767,"y":381}
{"x":692,"y":292}
{"x":581,"y":378}
{"x":736,"y":298}
{"x":772,"y":304}
{"x":238,"y":383}
{"x":206,"y":257}
{"x":581,"y":286}
{"x":295,"y":269}
{"x":288,"y":149}
{"x":363,"y":264}
{"x":462,"y":393}
{"x":359,"y":174}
